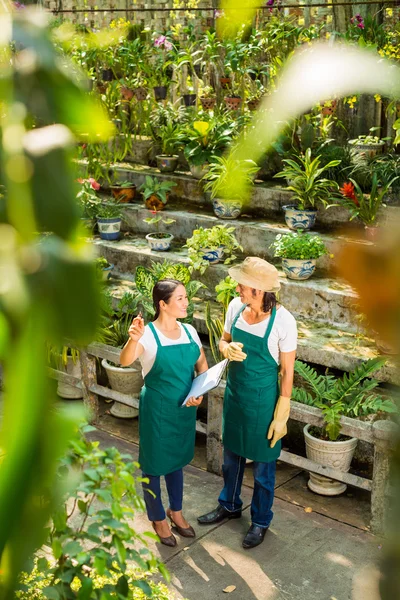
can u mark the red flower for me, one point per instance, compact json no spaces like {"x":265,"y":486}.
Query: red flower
{"x":153,"y":212}
{"x":348,"y":191}
{"x":93,"y":183}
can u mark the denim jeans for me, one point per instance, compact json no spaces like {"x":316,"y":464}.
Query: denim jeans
{"x":154,"y":507}
{"x":264,"y":484}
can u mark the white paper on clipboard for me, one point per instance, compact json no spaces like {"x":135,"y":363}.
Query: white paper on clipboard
{"x":207,"y":381}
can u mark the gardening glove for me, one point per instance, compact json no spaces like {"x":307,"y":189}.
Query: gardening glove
{"x":278,"y":428}
{"x":233,"y":351}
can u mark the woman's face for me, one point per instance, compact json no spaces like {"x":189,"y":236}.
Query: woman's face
{"x":178,"y":303}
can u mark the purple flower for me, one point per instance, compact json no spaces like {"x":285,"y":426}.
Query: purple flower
{"x":358,"y":21}
{"x":361,"y":25}
{"x":18,"y":5}
{"x":167,"y":45}
{"x":160,"y":41}
{"x":218,"y":14}
{"x":270,"y":2}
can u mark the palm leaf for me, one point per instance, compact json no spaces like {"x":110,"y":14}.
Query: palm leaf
{"x":351,"y":381}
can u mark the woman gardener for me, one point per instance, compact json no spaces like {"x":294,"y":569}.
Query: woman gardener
{"x":260,"y":339}
{"x":170,"y":353}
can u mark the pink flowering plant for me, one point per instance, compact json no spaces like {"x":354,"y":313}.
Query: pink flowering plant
{"x":163,"y":58}
{"x":87,"y":197}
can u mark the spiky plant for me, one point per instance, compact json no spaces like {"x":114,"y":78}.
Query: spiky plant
{"x":348,"y":396}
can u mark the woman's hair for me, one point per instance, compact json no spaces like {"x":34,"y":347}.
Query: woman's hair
{"x":268,"y":301}
{"x":163,"y":290}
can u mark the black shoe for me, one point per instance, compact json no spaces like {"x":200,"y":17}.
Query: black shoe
{"x":254,"y":536}
{"x":218,"y":515}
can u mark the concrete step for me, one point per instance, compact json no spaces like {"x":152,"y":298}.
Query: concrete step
{"x":325,"y":300}
{"x":340,"y":348}
{"x":254,"y":234}
{"x":267,"y":198}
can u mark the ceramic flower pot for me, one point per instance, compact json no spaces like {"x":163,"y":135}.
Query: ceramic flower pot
{"x":160,"y":92}
{"x":127,"y":381}
{"x":65,"y":390}
{"x":208,"y":103}
{"x":366,"y":150}
{"x":109,"y":229}
{"x":331,"y":454}
{"x":167,"y":164}
{"x":299,"y":219}
{"x":227,"y":209}
{"x":126,"y":92}
{"x":123,"y":194}
{"x":232,"y":103}
{"x":213,"y":256}
{"x":198,"y":171}
{"x":161,"y":242}
{"x":189,"y":99}
{"x":298,"y":269}
{"x":154,"y":203}
{"x":140,"y":93}
{"x":372,"y":233}
{"x":106,"y":272}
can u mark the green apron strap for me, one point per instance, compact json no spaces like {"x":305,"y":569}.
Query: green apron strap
{"x":153,"y":329}
{"x":237,"y":316}
{"x":191,"y":340}
{"x":271,"y":323}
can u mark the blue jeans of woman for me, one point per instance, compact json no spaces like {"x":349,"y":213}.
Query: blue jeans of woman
{"x":154,"y":506}
{"x":264,"y":485}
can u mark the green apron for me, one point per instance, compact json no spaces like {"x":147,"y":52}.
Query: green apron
{"x":250,"y":397}
{"x":167,"y":430}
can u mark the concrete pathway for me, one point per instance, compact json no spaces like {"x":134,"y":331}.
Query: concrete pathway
{"x":305,"y":555}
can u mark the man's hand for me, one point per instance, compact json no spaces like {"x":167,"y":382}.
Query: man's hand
{"x":194,"y":401}
{"x":234,"y":352}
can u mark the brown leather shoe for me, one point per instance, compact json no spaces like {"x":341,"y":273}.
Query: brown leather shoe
{"x":187,"y":532}
{"x":167,"y":541}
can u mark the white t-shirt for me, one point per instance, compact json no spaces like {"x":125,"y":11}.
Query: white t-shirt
{"x":283,"y":337}
{"x":149,"y":344}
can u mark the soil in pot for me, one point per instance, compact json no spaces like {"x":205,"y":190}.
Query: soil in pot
{"x":123,"y":194}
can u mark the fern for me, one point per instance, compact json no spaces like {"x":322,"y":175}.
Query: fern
{"x":301,"y":395}
{"x":314,"y":381}
{"x":351,"y":381}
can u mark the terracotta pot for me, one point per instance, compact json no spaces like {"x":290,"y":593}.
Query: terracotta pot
{"x":225,"y":82}
{"x":189,"y":99}
{"x":154,"y":203}
{"x":101,"y":87}
{"x":126,"y":92}
{"x":253,"y":104}
{"x":123,"y":194}
{"x":329,"y":110}
{"x":372,"y":233}
{"x":208,"y":103}
{"x":233,"y":103}
{"x":140,"y":93}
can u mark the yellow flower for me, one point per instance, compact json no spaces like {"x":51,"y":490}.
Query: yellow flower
{"x":377,"y":98}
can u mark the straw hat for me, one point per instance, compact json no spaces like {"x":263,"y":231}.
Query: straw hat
{"x":257,"y":274}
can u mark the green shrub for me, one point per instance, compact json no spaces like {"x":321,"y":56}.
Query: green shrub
{"x":299,"y":246}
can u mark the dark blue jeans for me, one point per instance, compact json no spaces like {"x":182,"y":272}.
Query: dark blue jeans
{"x":154,"y":507}
{"x":264,"y":484}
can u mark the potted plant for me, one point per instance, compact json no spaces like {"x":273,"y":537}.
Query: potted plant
{"x":208,"y":98}
{"x":189,"y":96}
{"x":233,"y":101}
{"x":123,"y":191}
{"x":305,"y":176}
{"x":367,"y":146}
{"x":348,"y":396}
{"x":202,"y":142}
{"x":103,"y":268}
{"x":365,"y":207}
{"x":161,"y":74}
{"x":114,"y":332}
{"x":147,"y":277}
{"x":66,"y":359}
{"x":157,"y":240}
{"x":88,"y":201}
{"x":109,"y":220}
{"x":155,"y":192}
{"x":220,"y":181}
{"x":299,"y":253}
{"x":208,"y":246}
{"x":169,"y":136}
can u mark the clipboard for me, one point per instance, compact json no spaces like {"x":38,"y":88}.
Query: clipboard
{"x":207,"y":381}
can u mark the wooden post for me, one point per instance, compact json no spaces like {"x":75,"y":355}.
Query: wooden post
{"x":384,"y":435}
{"x":89,"y":378}
{"x":214,"y":431}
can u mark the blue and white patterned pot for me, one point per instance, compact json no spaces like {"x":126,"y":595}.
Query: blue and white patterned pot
{"x":109,"y":228}
{"x":224,"y":209}
{"x":167,"y":164}
{"x":298,"y":269}
{"x":299,"y":219}
{"x":159,"y":244}
{"x":106,"y":272}
{"x":213,"y":256}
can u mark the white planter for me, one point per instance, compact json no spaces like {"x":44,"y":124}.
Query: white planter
{"x":298,"y":269}
{"x":64,"y":390}
{"x":331,"y":454}
{"x":299,"y":219}
{"x":109,"y":229}
{"x":198,"y":171}
{"x":127,"y":381}
{"x":227,"y":209}
{"x":365,"y":151}
{"x":213,"y":256}
{"x":159,"y":244}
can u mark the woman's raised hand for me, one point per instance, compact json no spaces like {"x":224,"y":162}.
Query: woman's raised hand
{"x":136,"y":330}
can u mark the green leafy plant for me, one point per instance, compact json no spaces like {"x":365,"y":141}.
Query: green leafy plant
{"x":306,"y":180}
{"x":226,"y":290}
{"x":299,"y":246}
{"x":211,"y":239}
{"x":156,"y":220}
{"x":154,"y":187}
{"x":146,"y":278}
{"x":87,"y":198}
{"x":367,"y":139}
{"x":92,"y":544}
{"x":348,"y":396}
{"x":109,"y":210}
{"x":170,"y":137}
{"x":364,"y":206}
{"x":205,"y":140}
{"x":117,"y":317}
{"x":219,"y":181}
